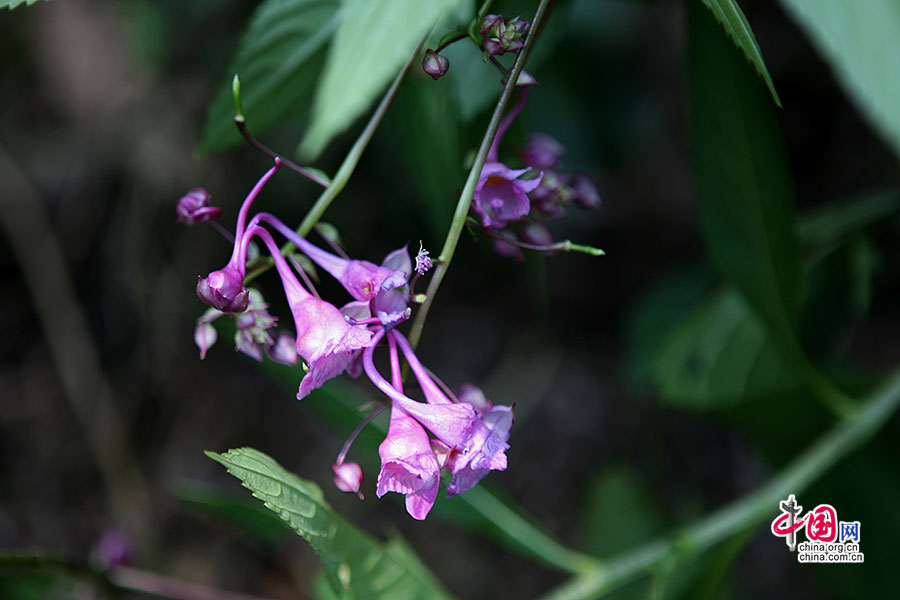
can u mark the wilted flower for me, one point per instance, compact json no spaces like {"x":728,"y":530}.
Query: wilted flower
{"x":194,"y":208}
{"x":435,"y":65}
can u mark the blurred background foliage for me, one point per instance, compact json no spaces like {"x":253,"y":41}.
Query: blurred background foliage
{"x":651,"y":386}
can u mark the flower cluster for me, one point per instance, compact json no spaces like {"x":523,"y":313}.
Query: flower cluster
{"x":502,"y":35}
{"x":465,"y":436}
{"x":511,"y":204}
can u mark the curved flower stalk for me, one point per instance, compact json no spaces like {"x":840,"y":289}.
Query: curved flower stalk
{"x":224,"y":289}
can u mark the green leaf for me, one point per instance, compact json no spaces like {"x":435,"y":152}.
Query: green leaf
{"x":742,"y":184}
{"x":11,"y":4}
{"x":355,"y":564}
{"x":373,"y":40}
{"x":427,"y":129}
{"x":860,"y":42}
{"x":721,"y":354}
{"x":732,"y":19}
{"x":278,"y":61}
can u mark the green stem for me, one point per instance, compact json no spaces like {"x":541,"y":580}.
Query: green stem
{"x":347,"y":167}
{"x":465,"y":199}
{"x":746,"y":512}
{"x":525,"y":536}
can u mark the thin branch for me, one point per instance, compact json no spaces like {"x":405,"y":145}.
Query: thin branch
{"x":465,"y":199}
{"x":746,"y":512}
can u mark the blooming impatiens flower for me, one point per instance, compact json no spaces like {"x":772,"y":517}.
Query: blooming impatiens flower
{"x":408,"y":464}
{"x":465,"y":436}
{"x":325,"y":339}
{"x":500,"y":196}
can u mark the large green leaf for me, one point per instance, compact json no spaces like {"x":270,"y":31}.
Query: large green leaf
{"x":859,"y":39}
{"x":732,"y":19}
{"x":278,"y":61}
{"x":356,"y":565}
{"x":374,"y":38}
{"x":742,"y":184}
{"x":720,"y":354}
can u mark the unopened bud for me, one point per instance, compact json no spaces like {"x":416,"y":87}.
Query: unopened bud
{"x":224,"y":290}
{"x":435,"y":65}
{"x":542,"y":152}
{"x":490,"y":25}
{"x":194,"y":208}
{"x":492,"y":46}
{"x":348,"y":477}
{"x":585,"y":192}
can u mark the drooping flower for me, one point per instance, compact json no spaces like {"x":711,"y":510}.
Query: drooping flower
{"x":194,"y":208}
{"x":500,"y":196}
{"x":325,"y":340}
{"x":485,"y":451}
{"x":484,"y":448}
{"x":408,"y":464}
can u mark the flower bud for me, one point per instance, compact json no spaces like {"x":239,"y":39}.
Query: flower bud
{"x":435,"y":65}
{"x":492,"y":46}
{"x":536,"y":234}
{"x":194,"y":208}
{"x":348,"y":477}
{"x":542,"y":151}
{"x":115,"y":549}
{"x":224,"y":290}
{"x":490,"y":25}
{"x":284,"y":348}
{"x":585,"y":192}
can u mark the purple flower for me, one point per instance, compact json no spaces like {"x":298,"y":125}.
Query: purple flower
{"x":325,"y":340}
{"x":408,"y":464}
{"x":542,"y":152}
{"x":500,"y":197}
{"x":194,"y":208}
{"x":348,"y":477}
{"x":435,"y":65}
{"x":485,"y":450}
